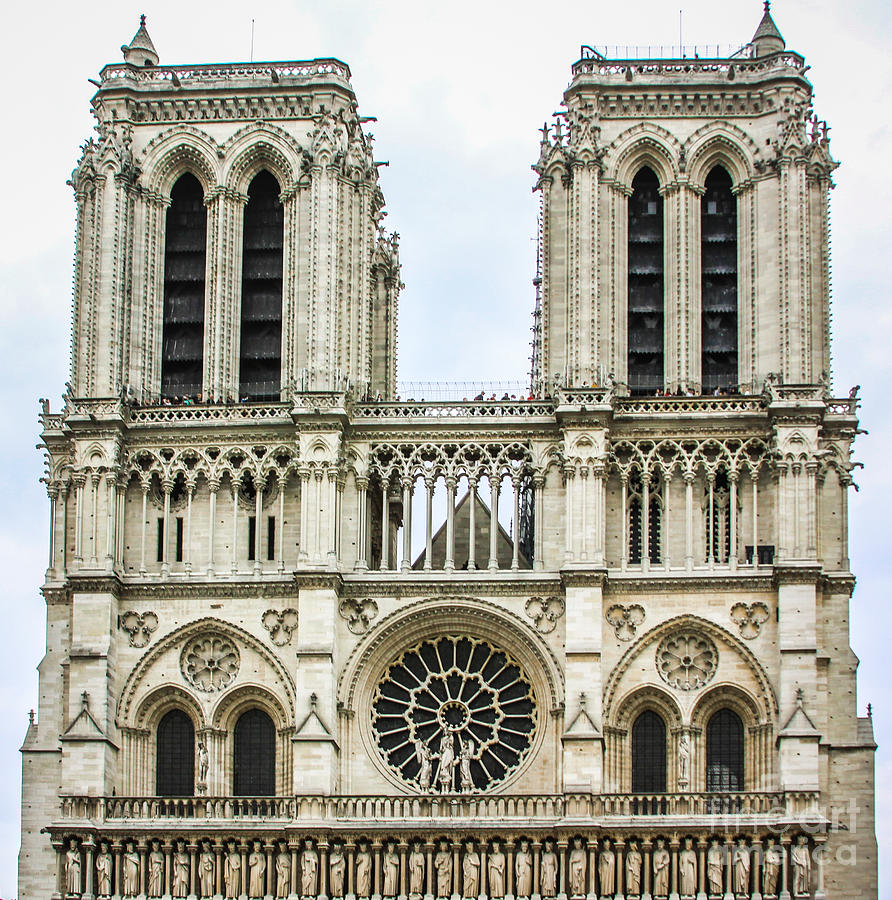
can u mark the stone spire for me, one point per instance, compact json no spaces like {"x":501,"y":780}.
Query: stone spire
{"x":140,"y":51}
{"x":767,"y":38}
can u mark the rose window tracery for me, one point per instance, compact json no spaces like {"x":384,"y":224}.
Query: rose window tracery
{"x":453,"y":714}
{"x":210,"y":663}
{"x":687,"y":660}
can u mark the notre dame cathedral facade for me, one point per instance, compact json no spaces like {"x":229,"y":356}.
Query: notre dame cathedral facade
{"x":307,"y":640}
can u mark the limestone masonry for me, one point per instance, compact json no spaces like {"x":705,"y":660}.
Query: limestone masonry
{"x":306,"y":639}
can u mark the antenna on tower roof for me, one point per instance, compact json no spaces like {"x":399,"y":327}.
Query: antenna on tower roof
{"x":252,"y":40}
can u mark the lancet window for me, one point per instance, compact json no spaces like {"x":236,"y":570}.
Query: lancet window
{"x":645,"y":284}
{"x":724,"y":752}
{"x":648,"y":754}
{"x":645,"y":525}
{"x":717,"y":518}
{"x":254,"y":755}
{"x":175,"y":755}
{"x":718,"y":283}
{"x":182,"y":341}
{"x":260,"y":352}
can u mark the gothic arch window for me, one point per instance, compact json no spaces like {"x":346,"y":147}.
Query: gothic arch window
{"x":649,"y":754}
{"x":718,"y":283}
{"x":717,"y":519}
{"x":254,"y":755}
{"x":645,"y":284}
{"x":637,"y":523}
{"x":182,"y":340}
{"x":724,"y":751}
{"x":175,"y":755}
{"x":260,"y":350}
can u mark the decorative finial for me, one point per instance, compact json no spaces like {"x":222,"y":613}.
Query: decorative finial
{"x":313,"y":700}
{"x":31,"y":714}
{"x":142,"y":18}
{"x":800,"y":696}
{"x":766,"y":6}
{"x":869,"y":711}
{"x":582,"y":700}
{"x":85,"y":700}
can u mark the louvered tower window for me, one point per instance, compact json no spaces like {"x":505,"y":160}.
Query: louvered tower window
{"x":648,"y":754}
{"x":260,"y":353}
{"x":724,"y":752}
{"x":185,"y":238}
{"x":254,"y":763}
{"x":175,"y":755}
{"x":718,"y":280}
{"x":654,"y":520}
{"x":645,"y":280}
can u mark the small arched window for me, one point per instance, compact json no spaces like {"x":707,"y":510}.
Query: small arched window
{"x":645,"y":284}
{"x":254,"y":762}
{"x":649,"y":754}
{"x":182,"y":340}
{"x":175,"y":755}
{"x":260,"y":351}
{"x":718,"y":284}
{"x":724,"y":752}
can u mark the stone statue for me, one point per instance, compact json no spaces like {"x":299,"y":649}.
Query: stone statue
{"x":687,"y":870}
{"x":180,"y":871}
{"x":771,"y":866}
{"x":73,"y":869}
{"x":391,"y":866}
{"x":416,"y":870}
{"x":309,"y":870}
{"x":633,"y":869}
{"x":202,"y":762}
{"x":714,"y":862}
{"x":206,"y":870}
{"x":495,"y":869}
{"x":548,"y":870}
{"x":443,"y":865}
{"x":466,"y":782}
{"x":425,"y":765}
{"x":523,"y":871}
{"x":684,"y":760}
{"x":156,"y":871}
{"x":606,"y":869}
{"x":363,"y":871}
{"x":103,"y":871}
{"x":337,"y":866}
{"x":256,"y":871}
{"x":577,"y":869}
{"x":801,"y":860}
{"x":130,"y":876}
{"x":741,"y":867}
{"x":661,"y":869}
{"x":447,"y":762}
{"x":471,"y":871}
{"x":233,"y":873}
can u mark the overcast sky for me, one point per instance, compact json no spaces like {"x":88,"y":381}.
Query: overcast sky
{"x":460,"y":89}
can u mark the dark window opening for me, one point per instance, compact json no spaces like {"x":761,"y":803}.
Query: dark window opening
{"x":182,"y":341}
{"x":645,"y":284}
{"x":160,"y":546}
{"x":648,"y":754}
{"x":175,"y":755}
{"x":179,"y":539}
{"x":718,"y":283}
{"x":636,"y":521}
{"x":252,"y":536}
{"x":724,"y":752}
{"x":720,"y":542}
{"x":271,"y":537}
{"x":254,"y":763}
{"x":260,"y":352}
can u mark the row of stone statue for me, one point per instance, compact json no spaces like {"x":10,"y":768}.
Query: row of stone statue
{"x":442,"y":869}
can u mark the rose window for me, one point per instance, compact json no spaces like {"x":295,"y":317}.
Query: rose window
{"x":210,"y":663}
{"x":453,"y":714}
{"x":687,"y":660}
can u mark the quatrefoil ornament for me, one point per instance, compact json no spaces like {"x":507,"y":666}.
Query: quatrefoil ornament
{"x":625,"y":619}
{"x":748,"y":617}
{"x":544,"y":611}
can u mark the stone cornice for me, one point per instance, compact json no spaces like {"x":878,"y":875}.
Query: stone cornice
{"x":797,"y":573}
{"x":391,"y":585}
{"x":656,"y":584}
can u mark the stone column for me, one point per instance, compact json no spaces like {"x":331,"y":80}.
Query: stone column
{"x":428,"y":522}
{"x":362,"y":487}
{"x":193,"y":868}
{"x":323,"y":870}
{"x":234,"y":486}
{"x":450,"y":523}
{"x":95,"y":478}
{"x":385,"y":525}
{"x":110,"y":510}
{"x":376,"y":873}
{"x":568,"y":473}
{"x":536,"y":847}
{"x":187,"y":550}
{"x":429,"y":873}
{"x":117,"y":849}
{"x":168,"y":867}
{"x":213,"y":487}
{"x":293,"y":846}
{"x":619,"y":847}
{"x":729,"y":868}
{"x":784,"y":892}
{"x":756,"y":866}
{"x":673,"y":886}
{"x":88,"y":846}
{"x":646,"y":871}
{"x":624,"y":521}
{"x":259,"y":485}
{"x":701,"y":869}
{"x":494,"y":490}
{"x":456,"y":872}
{"x":472,"y":523}
{"x":689,"y":521}
{"x":538,"y":522}
{"x":304,"y":546}
{"x":733,"y":539}
{"x":515,"y":548}
{"x":218,"y":853}
{"x":406,"y":562}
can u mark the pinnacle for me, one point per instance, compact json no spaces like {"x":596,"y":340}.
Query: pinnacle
{"x":141,"y":51}
{"x":767,"y":33}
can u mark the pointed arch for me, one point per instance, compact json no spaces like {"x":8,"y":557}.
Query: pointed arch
{"x":257,"y":147}
{"x":644,"y":144}
{"x":721,"y":144}
{"x":180,"y":149}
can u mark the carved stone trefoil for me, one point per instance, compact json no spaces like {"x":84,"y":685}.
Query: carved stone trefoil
{"x":687,"y":660}
{"x":280,"y":624}
{"x":358,"y":613}
{"x":139,"y":626}
{"x":544,"y":611}
{"x":748,"y":617}
{"x":210,"y":663}
{"x":625,"y":619}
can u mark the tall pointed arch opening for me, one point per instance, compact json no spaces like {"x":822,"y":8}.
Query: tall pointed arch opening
{"x":645,"y":285}
{"x":185,"y":252}
{"x":718,"y":283}
{"x":260,"y":349}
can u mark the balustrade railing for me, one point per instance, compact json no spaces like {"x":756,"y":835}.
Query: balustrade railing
{"x":178,"y":75}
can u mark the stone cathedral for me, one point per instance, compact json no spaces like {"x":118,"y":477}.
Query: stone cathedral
{"x":305,"y":639}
